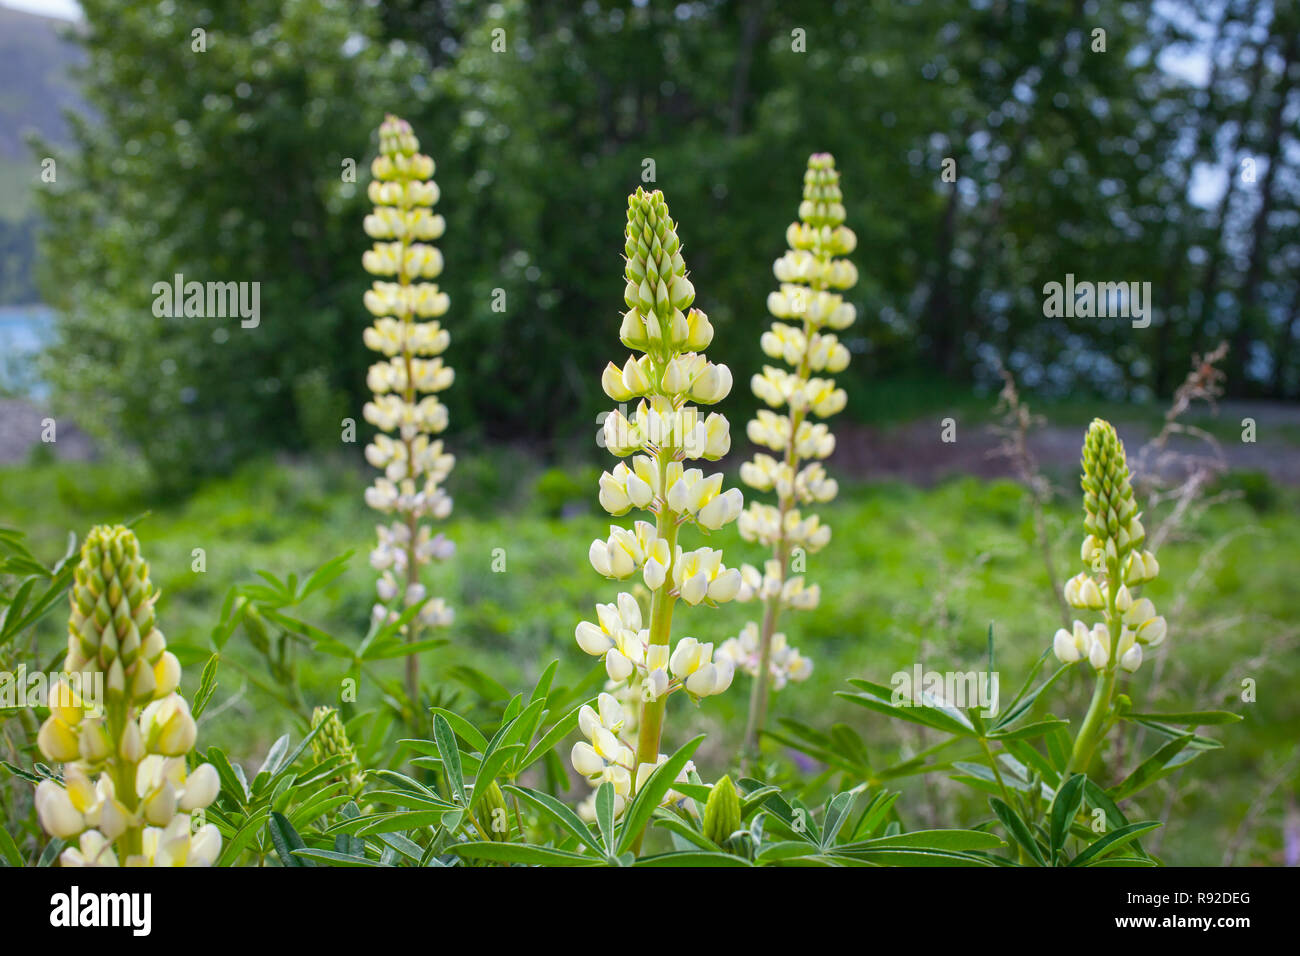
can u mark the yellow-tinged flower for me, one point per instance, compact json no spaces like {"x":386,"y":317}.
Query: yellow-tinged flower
{"x":405,"y":408}
{"x":668,"y":380}
{"x":812,"y":277}
{"x":1115,"y":564}
{"x":112,"y":630}
{"x":699,"y":575}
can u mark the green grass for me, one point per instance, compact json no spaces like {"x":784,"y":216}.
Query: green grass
{"x":911,"y":575}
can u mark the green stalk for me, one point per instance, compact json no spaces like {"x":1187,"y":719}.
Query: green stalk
{"x":1094,"y":722}
{"x":661,"y":625}
{"x":759,"y":694}
{"x":1091,"y":730}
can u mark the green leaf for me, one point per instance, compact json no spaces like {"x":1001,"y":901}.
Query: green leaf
{"x":674,"y":824}
{"x":271,"y":765}
{"x":928,"y":713}
{"x":338,"y":859}
{"x":837,"y":811}
{"x":553,"y":736}
{"x":1153,"y":768}
{"x":1018,"y":829}
{"x":874,"y":814}
{"x":324,"y":575}
{"x":468,"y":732}
{"x":207,"y":685}
{"x":251,"y":827}
{"x":446,"y":742}
{"x":286,"y":840}
{"x":651,"y":794}
{"x":560,"y":814}
{"x":930,"y":840}
{"x":780,"y":850}
{"x":523,"y":853}
{"x":692,"y":858}
{"x":1029,"y":731}
{"x":1065,"y":807}
{"x":1025,"y":699}
{"x":605,"y":813}
{"x":916,"y":857}
{"x":490,"y":767}
{"x":51,"y":852}
{"x":542,"y":689}
{"x":232,"y":783}
{"x":1192,"y":718}
{"x":9,"y":849}
{"x":1113,"y":841}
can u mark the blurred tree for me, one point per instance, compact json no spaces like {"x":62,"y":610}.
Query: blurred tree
{"x":986,"y":148}
{"x":217,"y":151}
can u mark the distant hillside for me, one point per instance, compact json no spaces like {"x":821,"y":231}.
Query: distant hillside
{"x":36,"y":83}
{"x":36,"y":86}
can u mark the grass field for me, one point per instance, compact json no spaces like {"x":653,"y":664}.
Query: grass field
{"x":911,"y":576}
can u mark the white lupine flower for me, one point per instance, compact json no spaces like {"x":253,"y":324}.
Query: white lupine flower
{"x":765,"y":524}
{"x":1099,"y":649}
{"x":625,"y":552}
{"x":92,"y":849}
{"x":173,"y":845}
{"x":414,"y":465}
{"x":1129,"y":651}
{"x":603,"y":755}
{"x":743,"y":652}
{"x":700,"y":575}
{"x":59,"y":815}
{"x":796,"y":595}
{"x":616,"y":624}
{"x":665,"y":429}
{"x":1116,"y":564}
{"x":692,"y":663}
{"x":809,"y":296}
{"x":1082,"y":591}
{"x":152,"y":730}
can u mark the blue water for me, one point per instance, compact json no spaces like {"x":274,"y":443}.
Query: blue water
{"x":24,"y":331}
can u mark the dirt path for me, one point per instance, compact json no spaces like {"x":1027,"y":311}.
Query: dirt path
{"x":916,"y":452}
{"x":913,"y":452}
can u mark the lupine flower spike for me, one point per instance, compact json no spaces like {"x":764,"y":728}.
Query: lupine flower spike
{"x":332,"y":741}
{"x":812,"y":278}
{"x":1116,"y":565}
{"x":667,"y":380}
{"x":126,"y":797}
{"x":405,"y":409}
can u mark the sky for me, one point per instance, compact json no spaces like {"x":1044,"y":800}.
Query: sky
{"x":63,"y":9}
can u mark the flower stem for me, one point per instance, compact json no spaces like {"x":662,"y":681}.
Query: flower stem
{"x":1094,"y":721}
{"x":650,"y":727}
{"x":759,"y":693}
{"x":1090,"y":730}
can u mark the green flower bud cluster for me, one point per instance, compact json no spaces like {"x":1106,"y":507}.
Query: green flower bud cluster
{"x":1115,"y":561}
{"x":112,"y":627}
{"x":126,"y":794}
{"x":722,"y":812}
{"x":491,"y":814}
{"x":332,"y":741}
{"x":408,"y":376}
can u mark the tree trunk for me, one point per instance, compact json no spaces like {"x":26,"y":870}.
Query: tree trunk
{"x":1241,"y":338}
